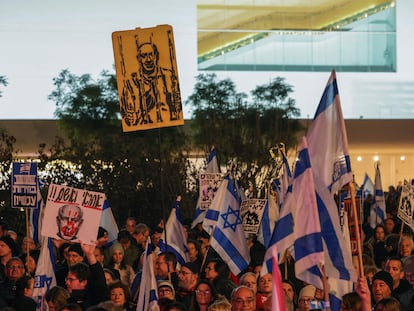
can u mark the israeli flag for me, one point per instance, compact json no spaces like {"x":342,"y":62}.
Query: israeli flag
{"x":228,"y":238}
{"x":109,"y":223}
{"x":148,"y":295}
{"x":378,"y":210}
{"x":173,"y":237}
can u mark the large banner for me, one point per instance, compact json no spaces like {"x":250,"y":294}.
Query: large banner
{"x":147,"y":77}
{"x":24,"y":185}
{"x":72,"y":214}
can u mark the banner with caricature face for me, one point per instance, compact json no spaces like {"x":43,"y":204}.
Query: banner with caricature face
{"x":72,"y":214}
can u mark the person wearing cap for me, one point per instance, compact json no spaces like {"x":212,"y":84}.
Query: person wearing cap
{"x":166,"y":294}
{"x":117,"y":262}
{"x":306,"y":295}
{"x":74,"y":255}
{"x":85,"y":281}
{"x":103,"y":237}
{"x":131,"y":251}
{"x":8,"y":249}
{"x":382,"y":285}
{"x":187,"y":281}
{"x":407,"y":298}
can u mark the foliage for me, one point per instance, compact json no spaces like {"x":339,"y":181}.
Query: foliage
{"x":11,"y":215}
{"x":139,"y":171}
{"x":3,"y":81}
{"x":243,"y":130}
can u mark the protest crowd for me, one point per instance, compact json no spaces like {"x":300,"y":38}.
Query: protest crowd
{"x":108,"y":276}
{"x":300,"y":259}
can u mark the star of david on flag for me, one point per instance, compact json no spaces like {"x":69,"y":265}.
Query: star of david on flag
{"x":231,"y":218}
{"x":228,"y":238}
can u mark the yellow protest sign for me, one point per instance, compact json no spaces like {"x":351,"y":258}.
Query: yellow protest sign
{"x":147,"y":78}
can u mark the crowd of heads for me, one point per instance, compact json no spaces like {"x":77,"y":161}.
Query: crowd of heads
{"x":107,"y":276}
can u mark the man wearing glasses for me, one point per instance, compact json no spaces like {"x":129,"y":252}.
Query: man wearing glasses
{"x":86,"y":283}
{"x":243,"y":299}
{"x":14,"y":270}
{"x":187,"y":281}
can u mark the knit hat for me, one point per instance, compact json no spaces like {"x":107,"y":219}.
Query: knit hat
{"x":166,"y":284}
{"x":102,"y":232}
{"x":193,"y":267}
{"x":116,"y":246}
{"x":11,"y":244}
{"x":76,"y":248}
{"x":307,"y":291}
{"x":385,"y":277}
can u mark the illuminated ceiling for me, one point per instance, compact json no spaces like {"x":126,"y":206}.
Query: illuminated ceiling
{"x":225,"y":22}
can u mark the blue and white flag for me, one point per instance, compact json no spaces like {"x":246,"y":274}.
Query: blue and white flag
{"x":270,"y":216}
{"x":35,"y":223}
{"x":328,"y":141}
{"x":281,"y":186}
{"x":228,"y":238}
{"x":148,"y":295}
{"x":378,"y":211}
{"x":368,"y":186}
{"x":308,"y":246}
{"x":44,"y":278}
{"x":299,"y":225}
{"x":173,"y":238}
{"x":213,"y":211}
{"x":328,"y":151}
{"x":212,"y":167}
{"x":108,"y":222}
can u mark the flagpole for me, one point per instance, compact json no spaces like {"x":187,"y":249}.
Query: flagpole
{"x":27,"y":235}
{"x":357,"y":233}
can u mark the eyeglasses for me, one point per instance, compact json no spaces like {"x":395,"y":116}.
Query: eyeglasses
{"x":240,"y":301}
{"x":70,"y":280}
{"x":15,"y":267}
{"x":202,"y":292}
{"x":185,"y":273}
{"x":305,"y":300}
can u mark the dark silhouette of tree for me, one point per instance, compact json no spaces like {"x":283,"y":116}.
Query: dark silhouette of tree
{"x":12,"y":215}
{"x":140,"y":172}
{"x":3,"y":81}
{"x":242,"y":129}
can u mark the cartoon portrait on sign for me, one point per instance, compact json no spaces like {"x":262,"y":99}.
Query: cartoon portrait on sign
{"x":69,"y":221}
{"x":147,"y":78}
{"x":209,"y":184}
{"x":72,"y":214}
{"x":251,"y":211}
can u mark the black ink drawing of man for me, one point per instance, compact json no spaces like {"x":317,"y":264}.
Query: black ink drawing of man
{"x":157,"y":87}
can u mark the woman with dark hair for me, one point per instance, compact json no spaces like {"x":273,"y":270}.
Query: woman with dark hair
{"x":388,"y":304}
{"x":56,"y":298}
{"x":204,"y":295}
{"x":117,"y":262}
{"x":216,"y":269}
{"x":120,"y":294}
{"x":290,"y":294}
{"x":351,"y":302}
{"x":194,"y":250}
